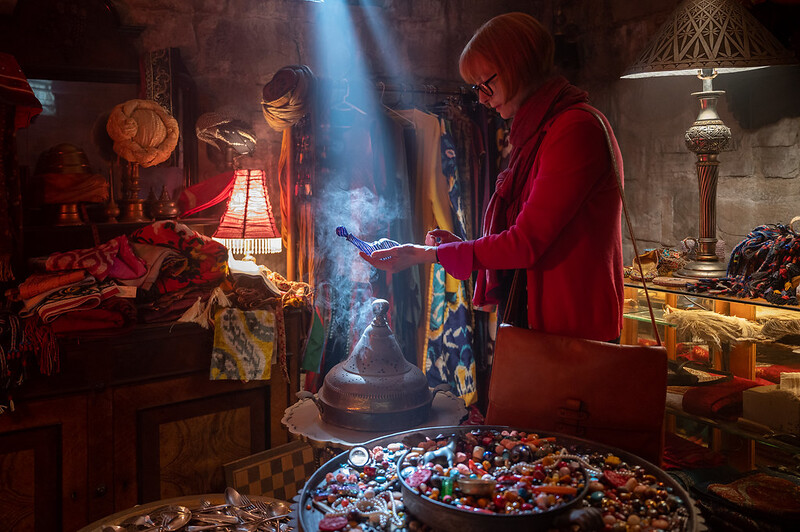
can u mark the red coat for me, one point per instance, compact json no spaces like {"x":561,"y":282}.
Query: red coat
{"x":562,"y":224}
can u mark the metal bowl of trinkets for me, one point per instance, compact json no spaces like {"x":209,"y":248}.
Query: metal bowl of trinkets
{"x":371,"y":487}
{"x":495,"y":479}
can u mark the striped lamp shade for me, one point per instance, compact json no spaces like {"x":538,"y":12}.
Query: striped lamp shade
{"x":248,"y":225}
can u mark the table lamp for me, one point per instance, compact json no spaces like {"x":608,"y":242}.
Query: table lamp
{"x":248,"y":225}
{"x":706,"y":38}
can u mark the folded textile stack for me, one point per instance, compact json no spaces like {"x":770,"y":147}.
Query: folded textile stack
{"x":722,"y":400}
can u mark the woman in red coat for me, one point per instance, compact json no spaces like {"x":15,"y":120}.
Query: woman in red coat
{"x":555,"y":212}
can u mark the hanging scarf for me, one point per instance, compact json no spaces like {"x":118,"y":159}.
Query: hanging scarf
{"x":527,"y":131}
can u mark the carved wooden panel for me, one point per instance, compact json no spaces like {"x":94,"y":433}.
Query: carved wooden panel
{"x":43,"y":466}
{"x":17,"y":486}
{"x":191,"y":450}
{"x":171,"y":437}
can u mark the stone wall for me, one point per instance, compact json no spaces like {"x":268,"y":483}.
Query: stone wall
{"x":232,"y":48}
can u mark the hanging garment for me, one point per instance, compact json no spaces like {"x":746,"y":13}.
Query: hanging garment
{"x":404,"y":288}
{"x":447,"y":342}
{"x":467,"y":147}
{"x":18,"y":106}
{"x":430,"y":197}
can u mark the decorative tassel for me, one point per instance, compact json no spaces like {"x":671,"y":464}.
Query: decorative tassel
{"x":38,"y":337}
{"x":217,"y":299}
{"x":203,"y":315}
{"x":192,"y":312}
{"x":221,"y":299}
{"x":6,"y":273}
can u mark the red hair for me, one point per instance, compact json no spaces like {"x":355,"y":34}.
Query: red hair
{"x":519,"y":47}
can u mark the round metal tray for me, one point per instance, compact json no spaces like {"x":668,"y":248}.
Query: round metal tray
{"x":309,"y":517}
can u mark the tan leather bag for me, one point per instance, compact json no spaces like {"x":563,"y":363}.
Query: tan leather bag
{"x":610,"y":393}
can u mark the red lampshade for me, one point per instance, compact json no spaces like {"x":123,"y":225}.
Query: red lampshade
{"x":248,"y":225}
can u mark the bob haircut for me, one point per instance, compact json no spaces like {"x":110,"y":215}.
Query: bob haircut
{"x":517,"y":45}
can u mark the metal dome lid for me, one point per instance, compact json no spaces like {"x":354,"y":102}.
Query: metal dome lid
{"x":376,"y":377}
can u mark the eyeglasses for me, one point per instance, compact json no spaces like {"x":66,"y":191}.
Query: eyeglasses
{"x":484,"y":86}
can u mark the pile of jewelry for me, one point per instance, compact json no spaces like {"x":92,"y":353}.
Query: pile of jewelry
{"x":362,"y":495}
{"x":631,"y":498}
{"x":495,"y":472}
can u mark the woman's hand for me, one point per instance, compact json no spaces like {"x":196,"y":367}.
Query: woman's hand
{"x":400,"y":257}
{"x":440,"y":236}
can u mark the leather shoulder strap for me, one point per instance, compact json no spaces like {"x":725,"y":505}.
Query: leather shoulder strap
{"x":615,"y":162}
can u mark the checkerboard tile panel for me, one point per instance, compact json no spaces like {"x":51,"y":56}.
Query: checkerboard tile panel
{"x":278,"y":473}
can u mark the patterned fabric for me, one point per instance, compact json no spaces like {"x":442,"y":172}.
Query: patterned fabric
{"x":244,"y":344}
{"x":206,"y":259}
{"x":454,"y":188}
{"x":366,"y":247}
{"x":111,"y":259}
{"x":766,"y":263}
{"x":12,"y":357}
{"x":39,"y":283}
{"x":448,"y":341}
{"x":73,"y":298}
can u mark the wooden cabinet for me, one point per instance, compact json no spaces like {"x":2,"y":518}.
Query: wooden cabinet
{"x":746,"y":443}
{"x":43,"y":465}
{"x":133,"y":418}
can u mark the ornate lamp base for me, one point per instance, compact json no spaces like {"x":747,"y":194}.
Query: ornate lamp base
{"x":707,"y":137}
{"x":703,"y":270}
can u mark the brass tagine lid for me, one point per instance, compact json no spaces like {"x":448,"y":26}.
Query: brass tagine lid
{"x":376,"y":378}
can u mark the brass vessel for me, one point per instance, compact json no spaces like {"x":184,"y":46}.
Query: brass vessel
{"x":376,"y":388}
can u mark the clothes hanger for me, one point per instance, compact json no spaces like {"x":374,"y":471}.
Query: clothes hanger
{"x":393,"y":111}
{"x":344,"y":105}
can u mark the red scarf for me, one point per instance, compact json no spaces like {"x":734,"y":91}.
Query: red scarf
{"x":527,"y":131}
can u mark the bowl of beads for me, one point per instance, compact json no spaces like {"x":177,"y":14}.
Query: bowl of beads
{"x":492,"y":479}
{"x":546,"y":482}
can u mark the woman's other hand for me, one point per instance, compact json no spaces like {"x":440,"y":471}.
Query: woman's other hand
{"x":400,"y":257}
{"x":440,"y":236}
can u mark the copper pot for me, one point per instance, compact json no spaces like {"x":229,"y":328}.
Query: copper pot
{"x":375,"y":388}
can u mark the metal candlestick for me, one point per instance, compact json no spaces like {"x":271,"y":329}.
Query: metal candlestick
{"x":131,"y":207}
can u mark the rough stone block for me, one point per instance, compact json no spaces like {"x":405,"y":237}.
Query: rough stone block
{"x":778,"y":161}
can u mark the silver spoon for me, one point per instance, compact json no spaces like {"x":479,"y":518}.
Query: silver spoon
{"x":172,"y":518}
{"x":234,"y":498}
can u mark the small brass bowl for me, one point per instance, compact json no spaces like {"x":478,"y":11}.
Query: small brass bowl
{"x":476,"y":486}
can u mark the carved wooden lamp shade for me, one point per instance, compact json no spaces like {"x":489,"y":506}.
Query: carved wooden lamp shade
{"x":706,"y":38}
{"x":248,"y":225}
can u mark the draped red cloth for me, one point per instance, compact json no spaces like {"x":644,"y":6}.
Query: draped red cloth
{"x":15,"y":90}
